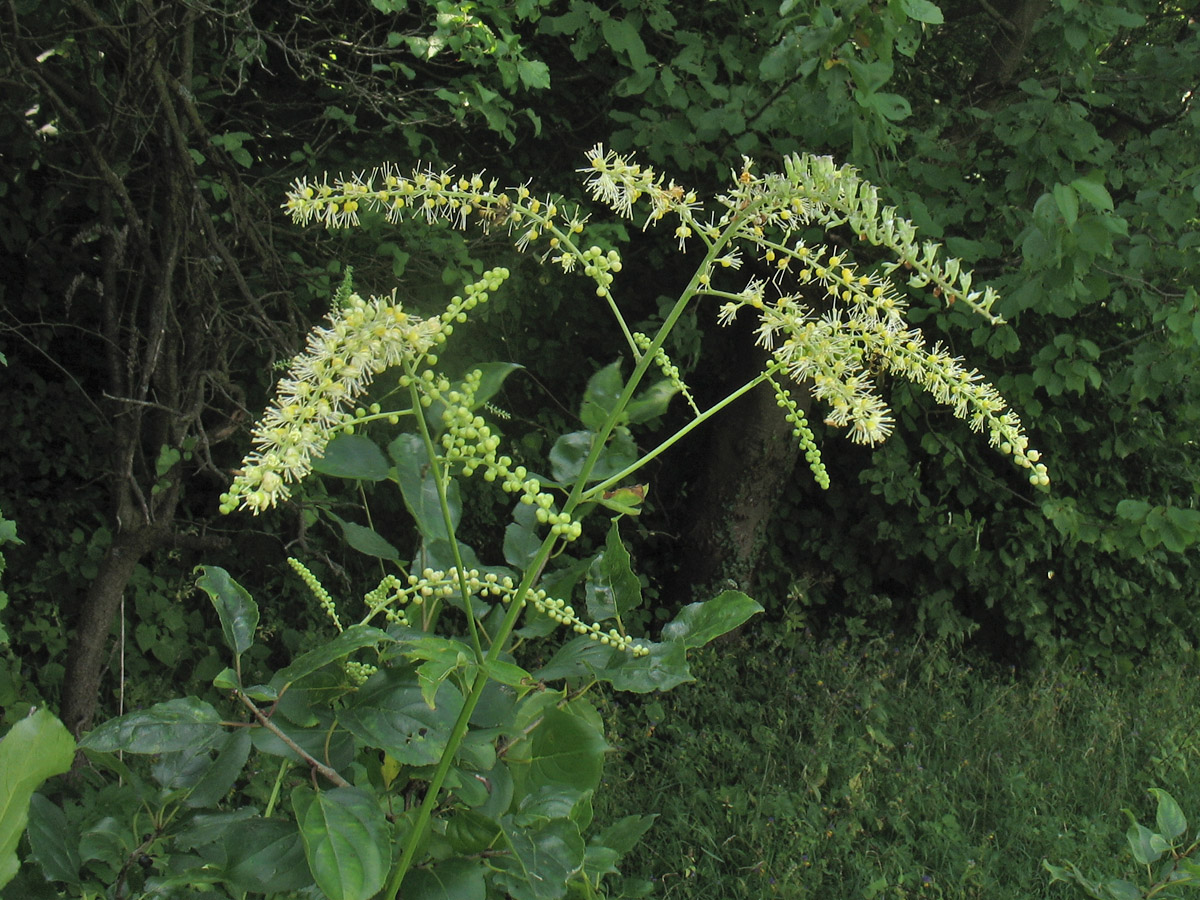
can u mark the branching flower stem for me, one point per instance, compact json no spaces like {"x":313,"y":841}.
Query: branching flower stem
{"x":316,"y":764}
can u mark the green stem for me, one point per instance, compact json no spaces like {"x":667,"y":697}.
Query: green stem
{"x":439,"y":482}
{"x":458,"y":732}
{"x":591,"y":493}
{"x":534,"y":570}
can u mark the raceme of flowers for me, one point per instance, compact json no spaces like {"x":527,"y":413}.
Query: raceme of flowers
{"x":859,"y":329}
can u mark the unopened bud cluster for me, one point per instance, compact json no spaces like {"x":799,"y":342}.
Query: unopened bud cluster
{"x":669,"y":369}
{"x":469,"y":441}
{"x":317,"y":589}
{"x":564,"y":614}
{"x":802,"y":433}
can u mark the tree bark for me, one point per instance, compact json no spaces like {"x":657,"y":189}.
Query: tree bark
{"x":90,"y":642}
{"x":749,"y":460}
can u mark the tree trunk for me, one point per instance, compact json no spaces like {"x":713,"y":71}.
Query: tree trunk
{"x":750,"y":458}
{"x":90,"y":641}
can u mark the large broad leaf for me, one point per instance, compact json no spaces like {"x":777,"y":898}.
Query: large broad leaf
{"x":454,"y":879}
{"x":353,"y":456}
{"x":699,"y":623}
{"x":665,"y":667}
{"x":419,"y":488}
{"x":53,"y":841}
{"x":345,"y":836}
{"x":172,"y":725}
{"x":353,"y":638}
{"x":236,"y":609}
{"x":1169,"y":819}
{"x":567,"y":751}
{"x":264,"y":856}
{"x":218,"y":779}
{"x":605,"y":850}
{"x":612,"y":588}
{"x":36,"y":748}
{"x":539,"y":863}
{"x":390,"y":713}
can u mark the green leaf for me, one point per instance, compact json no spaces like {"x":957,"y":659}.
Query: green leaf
{"x":1134,"y":510}
{"x":612,"y":587}
{"x":453,"y":879}
{"x":345,"y":836}
{"x":220,"y":777}
{"x":353,"y":456}
{"x":651,"y":402}
{"x":36,"y":748}
{"x":1119,"y":889}
{"x":1068,"y":203}
{"x":622,"y":36}
{"x":419,"y":488}
{"x":570,"y":451}
{"x":353,"y":638}
{"x":624,"y":834}
{"x":1142,"y":844}
{"x":264,"y":856}
{"x":390,"y":713}
{"x":539,"y":863}
{"x":365,"y":540}
{"x":236,"y":609}
{"x":533,"y":74}
{"x":600,"y":397}
{"x":54,"y":842}
{"x":178,"y":724}
{"x":1091,"y":188}
{"x":699,"y":623}
{"x":1170,"y":819}
{"x":567,"y":750}
{"x":922,"y":11}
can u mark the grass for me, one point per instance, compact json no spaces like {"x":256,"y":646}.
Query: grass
{"x":885,"y":768}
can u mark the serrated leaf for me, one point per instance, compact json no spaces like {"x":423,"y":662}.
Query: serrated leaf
{"x":1134,"y":510}
{"x":235,"y":608}
{"x":622,"y":36}
{"x":534,"y":74}
{"x":353,"y":456}
{"x":345,"y":835}
{"x":1094,"y":192}
{"x":178,"y":724}
{"x":1068,"y":203}
{"x":36,"y":748}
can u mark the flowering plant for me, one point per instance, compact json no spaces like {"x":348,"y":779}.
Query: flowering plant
{"x":434,"y":757}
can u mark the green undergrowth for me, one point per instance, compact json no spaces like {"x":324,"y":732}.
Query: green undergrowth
{"x":882,"y":767}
